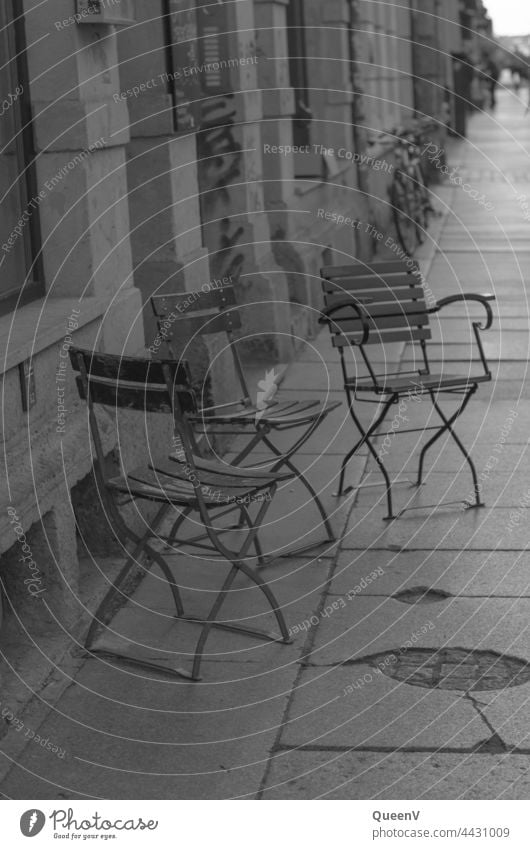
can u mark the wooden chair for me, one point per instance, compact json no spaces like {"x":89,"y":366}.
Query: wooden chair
{"x":193,"y":486}
{"x":185,"y":316}
{"x":380,"y":303}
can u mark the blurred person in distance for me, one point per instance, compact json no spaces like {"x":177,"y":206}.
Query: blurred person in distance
{"x":492,"y":73}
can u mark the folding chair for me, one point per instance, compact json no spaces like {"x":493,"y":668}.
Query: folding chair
{"x":380,"y":303}
{"x":185,"y":316}
{"x":210,"y":489}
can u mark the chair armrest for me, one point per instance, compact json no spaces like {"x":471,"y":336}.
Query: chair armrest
{"x":468,"y":296}
{"x":356,"y":305}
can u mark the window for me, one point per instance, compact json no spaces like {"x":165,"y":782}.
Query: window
{"x":298,"y":72}
{"x":199,"y":59}
{"x":466,"y":23}
{"x":20,"y":278}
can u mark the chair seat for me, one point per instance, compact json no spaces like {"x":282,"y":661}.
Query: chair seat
{"x":220,"y":484}
{"x":214,"y":467}
{"x":279,"y":413}
{"x":417,"y":383}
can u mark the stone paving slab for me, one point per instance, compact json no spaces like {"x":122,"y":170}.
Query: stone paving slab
{"x":368,"y":625}
{"x":506,"y":711}
{"x":509,"y":243}
{"x":367,"y":775}
{"x":459,"y":573}
{"x":498,"y":489}
{"x":356,"y":707}
{"x":509,"y":345}
{"x":182,"y":741}
{"x":457,"y":271}
{"x":444,"y":456}
{"x":460,"y":330}
{"x":508,"y":390}
{"x":444,"y":528}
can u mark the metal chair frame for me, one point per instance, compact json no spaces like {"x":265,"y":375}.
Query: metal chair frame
{"x":380,"y":303}
{"x":210,"y":489}
{"x":177,"y":318}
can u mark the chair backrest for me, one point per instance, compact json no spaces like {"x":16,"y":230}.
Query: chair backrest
{"x":150,"y":386}
{"x":134,"y":383}
{"x":202,"y":312}
{"x":392,"y":297}
{"x":185,"y":315}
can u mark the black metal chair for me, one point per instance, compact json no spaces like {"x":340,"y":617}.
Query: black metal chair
{"x":380,"y":303}
{"x":210,"y":489}
{"x":187,"y":315}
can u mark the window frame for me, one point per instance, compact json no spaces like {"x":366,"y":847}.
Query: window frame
{"x":297,"y":51}
{"x":31,"y":285}
{"x":190,"y":46}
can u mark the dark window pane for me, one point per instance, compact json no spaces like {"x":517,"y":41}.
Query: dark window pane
{"x":19,"y":215}
{"x":12,"y":253}
{"x":298,"y":72}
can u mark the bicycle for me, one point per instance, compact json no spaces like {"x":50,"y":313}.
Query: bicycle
{"x":409,"y":195}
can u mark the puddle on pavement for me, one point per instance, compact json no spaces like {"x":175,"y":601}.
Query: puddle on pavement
{"x":421,"y":595}
{"x":451,"y":669}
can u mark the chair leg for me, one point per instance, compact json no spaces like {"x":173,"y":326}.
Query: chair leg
{"x":249,"y":447}
{"x":245,"y":519}
{"x":366,"y":438}
{"x":340,"y":492}
{"x":209,"y":622}
{"x":286,"y":461}
{"x":141,"y":546}
{"x":271,"y":598}
{"x":448,"y":427}
{"x":177,"y":524}
{"x":166,"y":571}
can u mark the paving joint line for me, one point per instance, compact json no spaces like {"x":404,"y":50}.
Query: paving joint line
{"x":450,"y":598}
{"x":441,"y":750}
{"x":495,"y":738}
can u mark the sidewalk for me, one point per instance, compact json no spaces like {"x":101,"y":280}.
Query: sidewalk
{"x":324,"y":717}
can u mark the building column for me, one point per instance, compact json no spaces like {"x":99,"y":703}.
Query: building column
{"x":80,"y":136}
{"x":166,"y":235}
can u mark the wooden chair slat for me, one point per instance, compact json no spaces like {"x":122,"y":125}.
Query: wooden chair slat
{"x":149,"y":399}
{"x":380,"y":322}
{"x":376,"y":296}
{"x":385,"y":308}
{"x":202,"y":325}
{"x":130,"y":369}
{"x":383,"y":281}
{"x":365,"y":269}
{"x":182,"y":303}
{"x":411,"y":334}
